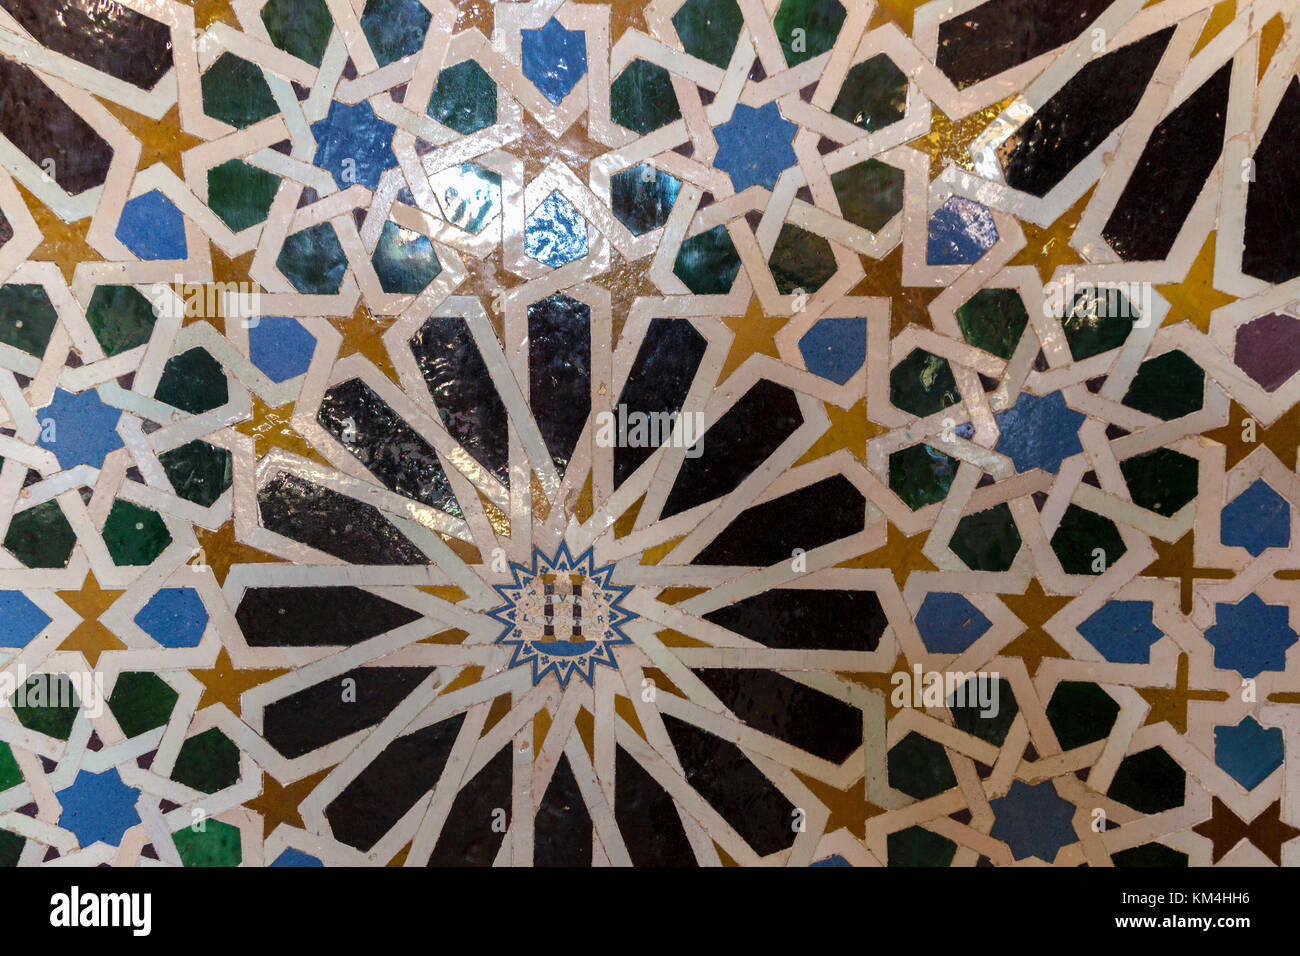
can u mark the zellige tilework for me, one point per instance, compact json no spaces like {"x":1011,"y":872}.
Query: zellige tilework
{"x":684,"y":432}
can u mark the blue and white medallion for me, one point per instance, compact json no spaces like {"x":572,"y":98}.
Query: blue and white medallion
{"x":562,"y":616}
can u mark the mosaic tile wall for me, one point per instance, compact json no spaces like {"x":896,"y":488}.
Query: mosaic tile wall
{"x":684,"y":432}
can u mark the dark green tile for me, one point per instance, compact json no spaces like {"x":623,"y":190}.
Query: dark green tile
{"x":41,"y":537}
{"x":135,"y":536}
{"x":970,"y":717}
{"x":994,"y":320}
{"x":870,"y":193}
{"x":10,"y":773}
{"x":919,"y":767}
{"x":464,"y":98}
{"x":194,"y":382}
{"x":241,"y":194}
{"x":394,"y":28}
{"x":873,"y":95}
{"x":216,"y":844}
{"x":120,"y":317}
{"x":642,"y":98}
{"x":140,"y":702}
{"x":807,"y":28}
{"x":313,"y":260}
{"x":26,"y":318}
{"x":987,"y":540}
{"x":921,"y":475}
{"x":1162,"y":480}
{"x":922,"y":384}
{"x":1078,"y":538}
{"x":1081,"y":713}
{"x":299,"y":27}
{"x":404,"y":260}
{"x":709,"y":29}
{"x":1168,"y":386}
{"x":49,"y":705}
{"x":208,"y":762}
{"x":917,"y":846}
{"x":1150,"y":855}
{"x":235,"y":92}
{"x":1097,"y":323}
{"x":198,"y":471}
{"x":708,"y":263}
{"x":642,"y":197}
{"x":800,"y":261}
{"x":11,"y":848}
{"x":1149,"y":782}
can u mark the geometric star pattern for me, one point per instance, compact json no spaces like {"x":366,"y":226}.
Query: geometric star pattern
{"x":787,"y":319}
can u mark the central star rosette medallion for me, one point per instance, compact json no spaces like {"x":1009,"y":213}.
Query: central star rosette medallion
{"x":562,"y":616}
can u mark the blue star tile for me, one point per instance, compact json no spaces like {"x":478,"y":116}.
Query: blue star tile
{"x":1248,"y":752}
{"x":1257,"y":519}
{"x":555,"y":234}
{"x":1250,"y":636}
{"x":949,"y":624}
{"x":280,"y":347}
{"x":961,"y":231}
{"x":754,"y":146}
{"x":1039,"y":432}
{"x":554,"y":59}
{"x":353,"y":144}
{"x":835,"y":348}
{"x":1033,"y":821}
{"x":1123,"y":631}
{"x":152,"y":228}
{"x":20,"y":619}
{"x":79,"y":428}
{"x":98,"y":807}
